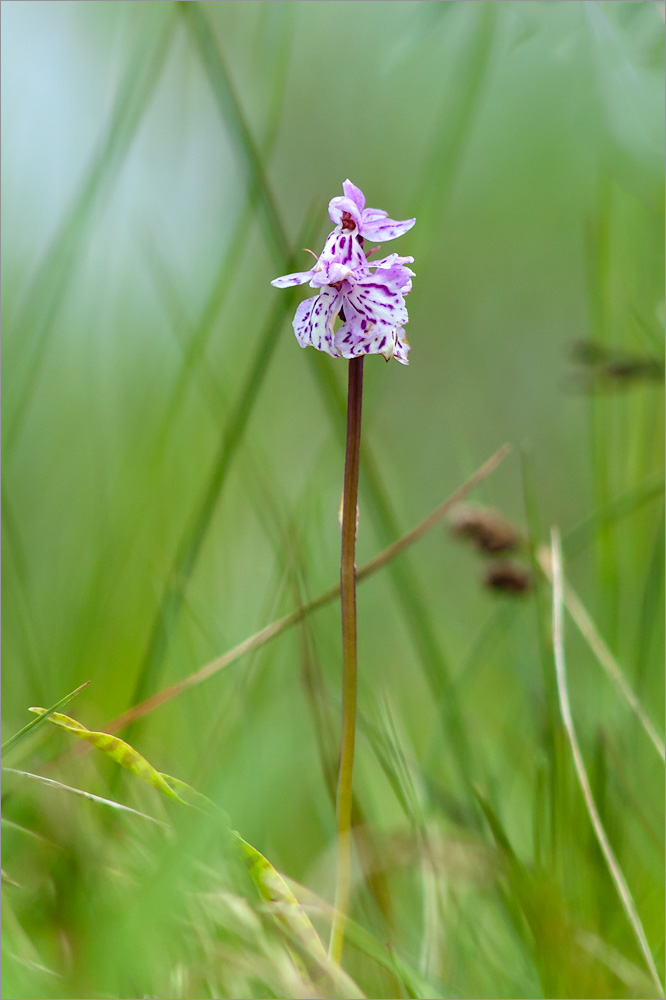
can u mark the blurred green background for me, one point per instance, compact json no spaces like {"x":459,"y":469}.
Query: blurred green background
{"x":173,"y":469}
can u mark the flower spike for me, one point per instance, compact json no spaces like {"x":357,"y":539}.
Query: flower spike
{"x":367,"y":296}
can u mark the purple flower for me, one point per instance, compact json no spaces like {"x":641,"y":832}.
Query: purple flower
{"x":369,"y":297}
{"x":350,"y":213}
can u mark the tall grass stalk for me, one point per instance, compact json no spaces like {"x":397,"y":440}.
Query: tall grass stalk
{"x":590,"y":633}
{"x":626,"y":898}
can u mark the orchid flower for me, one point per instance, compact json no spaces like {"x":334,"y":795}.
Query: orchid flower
{"x":369,"y":297}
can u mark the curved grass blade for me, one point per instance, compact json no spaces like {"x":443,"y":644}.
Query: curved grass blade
{"x":289,"y":913}
{"x":44,"y":714}
{"x":194,"y":343}
{"x":235,"y":121}
{"x":616,"y":873}
{"x":10,"y":824}
{"x":99,"y":799}
{"x":270,"y":884}
{"x":364,"y":942}
{"x":589,"y":631}
{"x":651,"y":600}
{"x":459,"y":117}
{"x":190,"y":797}
{"x":188,"y":552}
{"x":117,"y":750}
{"x":272,"y":887}
{"x":578,"y":537}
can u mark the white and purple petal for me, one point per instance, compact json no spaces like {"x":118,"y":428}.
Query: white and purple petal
{"x":375,"y":303}
{"x":354,"y":194}
{"x":402,"y":347}
{"x":378,"y":227}
{"x":297,"y":278}
{"x":393,"y":258}
{"x":393,"y":270}
{"x":374,"y":214}
{"x":339,"y":272}
{"x":314,"y":319}
{"x":390,"y":343}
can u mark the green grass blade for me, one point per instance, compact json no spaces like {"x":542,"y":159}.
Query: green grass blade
{"x":99,"y":799}
{"x":269,"y":882}
{"x":590,"y":633}
{"x":616,"y":873}
{"x":45,"y":713}
{"x":190,"y":546}
{"x":582,"y":534}
{"x":49,"y":286}
{"x":118,"y":750}
{"x":197,"y":338}
{"x":232,"y":114}
{"x":458,"y":118}
{"x":544,"y":817}
{"x":651,"y":604}
{"x":273,"y":888}
{"x":187,"y":555}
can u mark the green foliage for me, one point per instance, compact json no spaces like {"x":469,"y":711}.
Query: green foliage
{"x":172,"y":476}
{"x":118,"y":750}
{"x":270,"y":884}
{"x":44,"y":713}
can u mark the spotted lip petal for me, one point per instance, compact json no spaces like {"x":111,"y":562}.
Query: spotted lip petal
{"x":342,"y":247}
{"x":314,"y":319}
{"x":341,"y":255}
{"x":375,"y":311}
{"x":391,"y":344}
{"x":402,"y":347}
{"x":393,"y":267}
{"x":373,"y":306}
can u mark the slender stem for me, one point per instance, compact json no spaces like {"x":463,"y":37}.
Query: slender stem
{"x":348,"y":604}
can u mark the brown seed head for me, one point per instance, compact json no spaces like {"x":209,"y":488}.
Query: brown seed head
{"x":485,"y":527}
{"x":507,"y":578}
